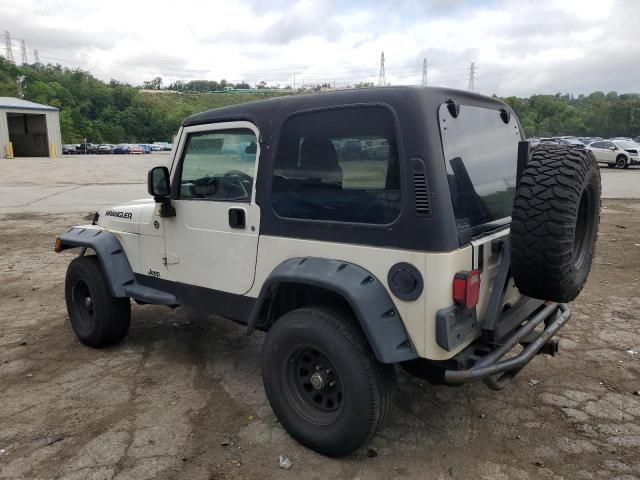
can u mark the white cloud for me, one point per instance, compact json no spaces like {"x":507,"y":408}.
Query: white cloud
{"x":520,"y":47}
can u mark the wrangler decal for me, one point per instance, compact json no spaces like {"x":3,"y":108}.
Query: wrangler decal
{"x":119,"y":214}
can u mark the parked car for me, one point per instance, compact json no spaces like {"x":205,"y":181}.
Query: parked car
{"x":548,"y":140}
{"x":156,"y":148}
{"x":615,"y":153}
{"x":87,"y":148}
{"x":637,"y":139}
{"x":120,"y":149}
{"x":573,"y":141}
{"x":105,"y":148}
{"x":589,"y":140}
{"x":68,"y":149}
{"x":165,"y":146}
{"x":146,"y":147}
{"x":136,"y":150}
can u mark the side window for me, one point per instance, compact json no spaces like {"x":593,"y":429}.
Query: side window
{"x":218,"y":165}
{"x":338,"y":165}
{"x":597,"y":145}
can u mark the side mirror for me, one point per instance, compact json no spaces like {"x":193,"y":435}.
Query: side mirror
{"x":159,"y":188}
{"x":158,"y":183}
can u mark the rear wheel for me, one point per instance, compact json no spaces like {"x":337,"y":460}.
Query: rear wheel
{"x":323,"y":381}
{"x":97,"y":318}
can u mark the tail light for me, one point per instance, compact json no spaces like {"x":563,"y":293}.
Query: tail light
{"x":466,"y":288}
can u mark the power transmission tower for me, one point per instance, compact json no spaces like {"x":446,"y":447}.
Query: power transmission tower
{"x":424,"y":72}
{"x":472,"y":78}
{"x":382,"y":78}
{"x":36,"y":58}
{"x":7,"y":45}
{"x":23,"y":52}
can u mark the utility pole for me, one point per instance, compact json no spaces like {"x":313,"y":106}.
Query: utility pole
{"x":36,"y":58}
{"x":294,"y":81}
{"x":424,"y":72}
{"x":472,"y":78}
{"x":23,"y":52}
{"x":382,"y":77}
{"x":7,"y":45}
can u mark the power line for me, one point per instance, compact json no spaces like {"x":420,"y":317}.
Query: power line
{"x":7,"y":44}
{"x":472,"y":77}
{"x":382,"y":77}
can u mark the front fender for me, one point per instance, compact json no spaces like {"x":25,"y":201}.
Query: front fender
{"x":366,"y":295}
{"x":113,"y":260}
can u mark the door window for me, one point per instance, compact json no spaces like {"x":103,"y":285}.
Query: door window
{"x":338,"y":165}
{"x":218,"y":165}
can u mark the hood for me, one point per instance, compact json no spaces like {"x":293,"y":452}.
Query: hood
{"x":128,"y":217}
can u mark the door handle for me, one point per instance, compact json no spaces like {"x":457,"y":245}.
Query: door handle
{"x":237,"y":218}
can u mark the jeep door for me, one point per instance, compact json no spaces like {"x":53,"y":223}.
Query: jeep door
{"x":212,"y":241}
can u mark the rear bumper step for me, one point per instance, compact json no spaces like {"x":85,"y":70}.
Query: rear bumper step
{"x":496,"y":373}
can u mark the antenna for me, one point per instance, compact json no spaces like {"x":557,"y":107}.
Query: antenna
{"x":7,"y":45}
{"x":23,"y":52}
{"x":382,"y":78}
{"x":424,"y":72}
{"x":472,"y":78}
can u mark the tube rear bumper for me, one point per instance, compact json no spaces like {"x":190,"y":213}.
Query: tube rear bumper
{"x":553,"y":315}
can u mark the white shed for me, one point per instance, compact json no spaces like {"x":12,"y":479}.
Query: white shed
{"x":29,"y":129}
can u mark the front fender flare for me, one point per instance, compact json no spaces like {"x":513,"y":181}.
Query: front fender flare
{"x":366,"y":295}
{"x":115,"y":264}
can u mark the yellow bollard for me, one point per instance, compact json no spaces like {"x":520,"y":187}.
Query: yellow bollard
{"x":10,"y":150}
{"x":52,"y":151}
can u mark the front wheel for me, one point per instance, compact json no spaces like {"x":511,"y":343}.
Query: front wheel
{"x":621,"y":162}
{"x":323,"y":381}
{"x":97,"y":318}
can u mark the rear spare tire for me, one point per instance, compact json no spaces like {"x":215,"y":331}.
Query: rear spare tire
{"x":556,"y":212}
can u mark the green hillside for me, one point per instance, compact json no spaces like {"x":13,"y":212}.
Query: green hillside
{"x":111,"y":112}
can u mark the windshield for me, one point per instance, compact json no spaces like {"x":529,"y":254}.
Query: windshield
{"x":480,"y":152}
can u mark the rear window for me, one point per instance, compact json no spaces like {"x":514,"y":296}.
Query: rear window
{"x":338,"y":165}
{"x":481,"y":153}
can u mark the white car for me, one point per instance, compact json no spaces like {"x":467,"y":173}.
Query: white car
{"x":616,"y":153}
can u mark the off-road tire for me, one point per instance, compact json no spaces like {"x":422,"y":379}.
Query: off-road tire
{"x":97,"y":318}
{"x":368,"y":387}
{"x":555,"y":220}
{"x":621,"y":162}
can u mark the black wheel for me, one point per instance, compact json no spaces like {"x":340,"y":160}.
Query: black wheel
{"x":97,"y":318}
{"x":555,"y":221}
{"x":621,"y":162}
{"x":323,"y":381}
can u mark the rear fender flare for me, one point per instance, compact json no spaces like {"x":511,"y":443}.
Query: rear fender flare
{"x":365,"y":294}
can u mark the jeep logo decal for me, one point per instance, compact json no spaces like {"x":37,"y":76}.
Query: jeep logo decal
{"x":118,"y":214}
{"x":153,"y":273}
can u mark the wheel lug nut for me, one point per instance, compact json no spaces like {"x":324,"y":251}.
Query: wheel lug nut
{"x":328,"y":371}
{"x":317,"y":368}
{"x":332,"y":383}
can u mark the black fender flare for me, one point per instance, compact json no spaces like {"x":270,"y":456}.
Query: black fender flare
{"x":115,"y":264}
{"x":366,"y":295}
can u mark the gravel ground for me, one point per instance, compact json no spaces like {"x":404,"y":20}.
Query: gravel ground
{"x":182,"y":396}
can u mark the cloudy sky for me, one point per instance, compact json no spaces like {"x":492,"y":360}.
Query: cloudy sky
{"x":520,"y":47}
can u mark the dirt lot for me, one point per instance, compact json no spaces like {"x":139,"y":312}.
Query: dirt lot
{"x":182,"y":396}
